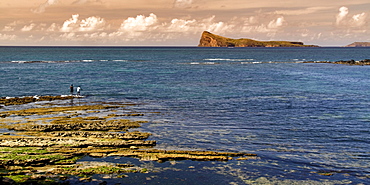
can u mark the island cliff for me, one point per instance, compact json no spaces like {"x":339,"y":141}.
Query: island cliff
{"x":359,"y":44}
{"x":211,"y":40}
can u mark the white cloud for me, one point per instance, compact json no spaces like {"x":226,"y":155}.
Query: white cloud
{"x":140,"y":23}
{"x":134,"y":27}
{"x":183,"y":3}
{"x":7,"y":37}
{"x":359,"y":20}
{"x":86,"y":25}
{"x":195,"y":26}
{"x":11,"y":26}
{"x":309,"y":10}
{"x":52,"y":28}
{"x":70,"y":24}
{"x":274,"y":24}
{"x":29,"y":27}
{"x":254,"y":25}
{"x":92,"y":24}
{"x":80,"y":2}
{"x":43,"y":6}
{"x":344,"y":19}
{"x":343,"y":12}
{"x":8,"y":28}
{"x":180,"y":25}
{"x":69,"y":36}
{"x":86,"y":1}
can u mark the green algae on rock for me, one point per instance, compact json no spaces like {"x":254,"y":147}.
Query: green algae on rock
{"x":24,"y":100}
{"x":48,"y":141}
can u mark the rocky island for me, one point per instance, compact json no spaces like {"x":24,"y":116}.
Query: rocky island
{"x":359,"y":44}
{"x":211,"y":40}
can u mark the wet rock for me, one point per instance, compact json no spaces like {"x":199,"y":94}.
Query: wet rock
{"x":345,"y":62}
{"x":7,"y":181}
{"x":165,"y":155}
{"x":83,"y":125}
{"x":98,"y":134}
{"x":24,"y":100}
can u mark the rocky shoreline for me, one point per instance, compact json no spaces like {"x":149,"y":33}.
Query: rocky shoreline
{"x":46,"y":142}
{"x":345,"y":62}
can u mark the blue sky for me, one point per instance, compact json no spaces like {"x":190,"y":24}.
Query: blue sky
{"x":181,"y":22}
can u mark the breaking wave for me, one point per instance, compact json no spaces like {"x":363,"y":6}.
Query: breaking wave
{"x":227,"y":59}
{"x":63,"y":61}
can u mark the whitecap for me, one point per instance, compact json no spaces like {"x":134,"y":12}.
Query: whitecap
{"x":228,"y":59}
{"x":210,"y":63}
{"x":119,"y":60}
{"x":19,"y":61}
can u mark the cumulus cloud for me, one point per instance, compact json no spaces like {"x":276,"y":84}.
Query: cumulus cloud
{"x":344,"y":19}
{"x":43,"y":6}
{"x":70,"y":24}
{"x":52,"y":28}
{"x":133,"y":27}
{"x":7,"y":37}
{"x":196,"y":26}
{"x":140,"y":23}
{"x":92,"y":24}
{"x":28,"y":27}
{"x":359,"y":20}
{"x":274,"y":24}
{"x":255,"y":25}
{"x":75,"y":25}
{"x":343,"y":12}
{"x":182,"y":3}
{"x":11,"y":26}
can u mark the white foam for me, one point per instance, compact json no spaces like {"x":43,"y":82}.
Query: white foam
{"x":119,"y":60}
{"x":209,"y":63}
{"x":228,"y":59}
{"x":19,"y":61}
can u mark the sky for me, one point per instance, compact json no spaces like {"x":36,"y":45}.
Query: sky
{"x":180,"y":22}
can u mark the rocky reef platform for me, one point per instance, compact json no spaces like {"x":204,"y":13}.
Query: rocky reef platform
{"x":28,"y":99}
{"x":45,"y":142}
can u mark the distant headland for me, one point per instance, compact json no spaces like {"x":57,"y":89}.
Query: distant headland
{"x":359,"y":44}
{"x":211,"y":40}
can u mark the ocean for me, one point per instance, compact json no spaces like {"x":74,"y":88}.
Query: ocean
{"x":308,"y":123}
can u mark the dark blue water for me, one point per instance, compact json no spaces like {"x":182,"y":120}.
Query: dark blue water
{"x":302,"y":119}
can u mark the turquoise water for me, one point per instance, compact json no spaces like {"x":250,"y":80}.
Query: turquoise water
{"x":299,"y":118}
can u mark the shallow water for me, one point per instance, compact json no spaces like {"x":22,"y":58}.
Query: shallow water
{"x":301,"y":119}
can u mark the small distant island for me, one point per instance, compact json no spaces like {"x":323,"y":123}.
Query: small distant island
{"x":211,"y":40}
{"x":359,"y":44}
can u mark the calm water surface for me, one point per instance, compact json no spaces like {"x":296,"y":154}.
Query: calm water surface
{"x":301,"y":119}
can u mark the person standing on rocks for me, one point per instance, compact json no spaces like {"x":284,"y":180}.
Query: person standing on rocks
{"x":71,"y":89}
{"x":79,"y":90}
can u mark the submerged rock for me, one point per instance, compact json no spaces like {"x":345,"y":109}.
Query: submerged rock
{"x":56,"y":143}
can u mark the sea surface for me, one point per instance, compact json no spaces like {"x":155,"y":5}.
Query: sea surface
{"x":309,"y":123}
